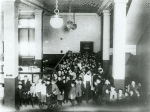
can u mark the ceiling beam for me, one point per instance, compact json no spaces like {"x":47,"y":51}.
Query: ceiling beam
{"x":35,"y":4}
{"x":104,"y":5}
{"x":21,"y":4}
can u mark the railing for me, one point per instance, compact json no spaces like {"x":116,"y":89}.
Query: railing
{"x":59,"y":62}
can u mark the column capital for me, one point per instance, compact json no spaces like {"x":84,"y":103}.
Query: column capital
{"x":38,"y":12}
{"x":106,"y":12}
{"x":121,"y":1}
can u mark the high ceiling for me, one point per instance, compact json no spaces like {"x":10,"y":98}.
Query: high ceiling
{"x":79,"y":6}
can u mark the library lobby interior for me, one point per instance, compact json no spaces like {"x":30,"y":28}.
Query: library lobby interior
{"x":75,"y":55}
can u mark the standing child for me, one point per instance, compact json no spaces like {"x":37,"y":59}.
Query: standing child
{"x":43,"y":94}
{"x":49,"y":98}
{"x":78,"y":92}
{"x":87,"y":85}
{"x":106,"y":97}
{"x":38,"y":90}
{"x":68,"y":87}
{"x":60,"y":96}
{"x":65,"y":92}
{"x":32,"y":94}
{"x":82,"y":88}
{"x":19,"y":96}
{"x":72,"y":94}
{"x":55,"y":91}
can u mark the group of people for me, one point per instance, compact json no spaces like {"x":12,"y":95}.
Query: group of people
{"x":79,"y":78}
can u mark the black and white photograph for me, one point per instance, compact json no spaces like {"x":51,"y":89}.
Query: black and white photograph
{"x":74,"y":55}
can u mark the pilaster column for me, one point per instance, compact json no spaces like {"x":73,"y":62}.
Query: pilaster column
{"x":38,"y":39}
{"x":119,"y":36}
{"x":1,"y":38}
{"x":10,"y":50}
{"x":106,"y":40}
{"x":1,"y":44}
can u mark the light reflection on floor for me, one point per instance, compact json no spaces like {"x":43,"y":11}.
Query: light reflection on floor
{"x":86,"y":107}
{"x":91,"y":107}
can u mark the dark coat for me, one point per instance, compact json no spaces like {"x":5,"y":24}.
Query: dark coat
{"x":100,"y":88}
{"x":49,"y":89}
{"x":105,"y":86}
{"x":68,"y":85}
{"x":19,"y":93}
{"x":26,"y":86}
{"x":61,"y":86}
{"x":18,"y":97}
{"x":106,"y":97}
{"x":49,"y":100}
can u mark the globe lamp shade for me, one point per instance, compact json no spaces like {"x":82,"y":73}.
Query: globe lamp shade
{"x":56,"y":21}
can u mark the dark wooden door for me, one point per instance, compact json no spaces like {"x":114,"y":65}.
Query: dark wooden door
{"x":86,"y":46}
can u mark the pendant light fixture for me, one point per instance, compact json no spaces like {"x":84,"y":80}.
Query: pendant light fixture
{"x":74,"y":26}
{"x":69,"y":22}
{"x":56,"y":21}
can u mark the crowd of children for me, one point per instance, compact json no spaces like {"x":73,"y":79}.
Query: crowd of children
{"x":79,"y":78}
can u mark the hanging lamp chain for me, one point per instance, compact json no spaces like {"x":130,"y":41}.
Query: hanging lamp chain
{"x":56,"y":11}
{"x":69,"y":10}
{"x":56,"y":4}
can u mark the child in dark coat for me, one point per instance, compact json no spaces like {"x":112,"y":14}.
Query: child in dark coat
{"x":49,"y":98}
{"x":19,"y":93}
{"x":60,"y":96}
{"x":68,"y":87}
{"x":72,"y":94}
{"x":106,"y":97}
{"x":120,"y":97}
